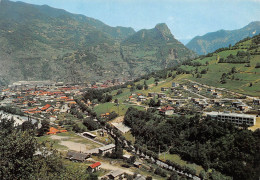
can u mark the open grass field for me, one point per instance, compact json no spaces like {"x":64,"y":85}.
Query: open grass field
{"x":68,"y":141}
{"x":110,"y":107}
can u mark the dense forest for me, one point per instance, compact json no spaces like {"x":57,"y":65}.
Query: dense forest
{"x":23,"y":158}
{"x":221,"y":146}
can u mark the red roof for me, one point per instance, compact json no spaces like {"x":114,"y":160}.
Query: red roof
{"x":166,"y":108}
{"x":95,"y":165}
{"x":46,"y":107}
{"x":54,"y":130}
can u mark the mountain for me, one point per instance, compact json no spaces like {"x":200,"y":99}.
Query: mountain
{"x":222,"y":38}
{"x":45,"y":43}
{"x":146,"y":50}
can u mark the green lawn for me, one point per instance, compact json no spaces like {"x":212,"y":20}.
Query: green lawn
{"x":241,"y":81}
{"x":128,"y":136}
{"x":109,"y":107}
{"x":79,"y":169}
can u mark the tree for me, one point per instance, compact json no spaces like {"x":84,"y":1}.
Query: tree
{"x":223,"y":78}
{"x":152,"y":103}
{"x":131,"y":160}
{"x":19,"y":159}
{"x":27,"y":125}
{"x":202,"y":174}
{"x":174,"y":176}
{"x":76,"y":128}
{"x":203,"y":71}
{"x":45,"y":126}
{"x":233,"y":70}
{"x":118,"y":153}
{"x":132,"y":88}
{"x":119,"y":92}
{"x":92,"y":177}
{"x":145,"y":85}
{"x":257,"y":65}
{"x":139,"y":86}
{"x":148,"y":178}
{"x":158,"y":103}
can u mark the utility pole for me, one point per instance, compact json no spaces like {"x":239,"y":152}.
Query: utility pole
{"x":118,"y":109}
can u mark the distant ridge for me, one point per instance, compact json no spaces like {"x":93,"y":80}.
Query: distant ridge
{"x":222,"y":38}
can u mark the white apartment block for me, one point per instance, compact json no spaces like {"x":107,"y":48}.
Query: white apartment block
{"x":235,"y":118}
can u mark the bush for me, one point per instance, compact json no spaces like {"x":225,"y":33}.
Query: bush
{"x":257,"y":65}
{"x":91,"y":124}
{"x":160,"y":172}
{"x":125,"y":165}
{"x":119,"y":92}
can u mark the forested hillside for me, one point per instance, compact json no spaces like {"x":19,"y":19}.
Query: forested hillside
{"x":40,"y":42}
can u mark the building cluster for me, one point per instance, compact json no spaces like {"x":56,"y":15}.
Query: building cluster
{"x":41,"y":99}
{"x":202,"y":99}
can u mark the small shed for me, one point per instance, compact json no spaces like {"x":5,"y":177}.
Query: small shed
{"x":94,"y":167}
{"x":117,"y":174}
{"x":76,"y":156}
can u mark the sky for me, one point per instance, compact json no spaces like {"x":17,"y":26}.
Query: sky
{"x":185,"y":18}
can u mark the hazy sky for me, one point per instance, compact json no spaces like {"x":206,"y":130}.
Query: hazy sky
{"x":185,"y":18}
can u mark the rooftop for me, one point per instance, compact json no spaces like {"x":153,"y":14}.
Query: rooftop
{"x":107,"y":147}
{"x":95,"y":165}
{"x":213,"y":113}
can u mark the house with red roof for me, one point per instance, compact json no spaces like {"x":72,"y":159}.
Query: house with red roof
{"x":166,"y":110}
{"x":55,"y":131}
{"x":94,"y":167}
{"x":46,"y":107}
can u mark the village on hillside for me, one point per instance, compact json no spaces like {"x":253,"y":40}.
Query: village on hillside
{"x":93,"y":144}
